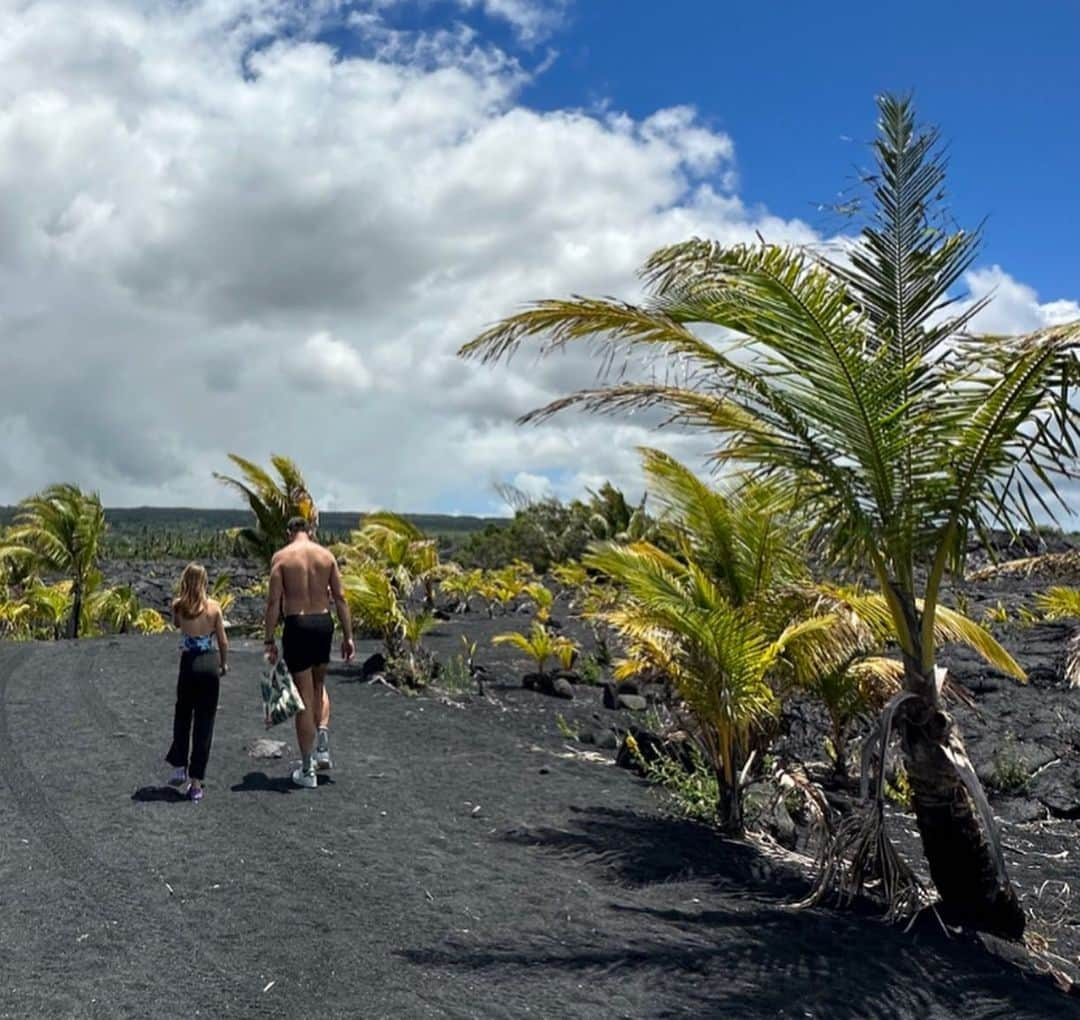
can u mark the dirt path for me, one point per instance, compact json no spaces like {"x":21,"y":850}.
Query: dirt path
{"x":456,"y":865}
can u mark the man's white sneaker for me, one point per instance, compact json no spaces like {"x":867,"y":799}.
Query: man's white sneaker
{"x":305,"y":779}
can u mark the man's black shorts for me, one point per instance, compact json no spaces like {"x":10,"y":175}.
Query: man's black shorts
{"x":305,"y":642}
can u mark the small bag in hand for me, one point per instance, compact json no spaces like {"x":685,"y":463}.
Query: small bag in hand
{"x":281,"y":699}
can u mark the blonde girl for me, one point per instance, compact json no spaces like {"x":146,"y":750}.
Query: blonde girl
{"x":200,"y":621}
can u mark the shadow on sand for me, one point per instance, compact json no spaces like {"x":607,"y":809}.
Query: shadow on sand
{"x":163,"y":794}
{"x":744,"y":950}
{"x":260,"y":782}
{"x":642,"y":850}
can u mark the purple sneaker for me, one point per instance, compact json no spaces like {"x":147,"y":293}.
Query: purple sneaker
{"x":195,"y":793}
{"x":178,"y":777}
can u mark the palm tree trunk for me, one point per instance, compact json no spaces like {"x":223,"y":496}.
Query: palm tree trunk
{"x":974,"y":890}
{"x":76,"y":610}
{"x":729,"y":800}
{"x":840,"y":749}
{"x":728,"y":807}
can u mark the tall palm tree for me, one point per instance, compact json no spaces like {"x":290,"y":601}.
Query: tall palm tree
{"x":272,"y":500}
{"x":855,"y":382}
{"x":60,"y":529}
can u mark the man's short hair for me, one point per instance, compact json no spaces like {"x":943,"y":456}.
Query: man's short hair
{"x":297,"y":524}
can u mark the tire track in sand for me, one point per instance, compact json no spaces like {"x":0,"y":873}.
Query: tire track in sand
{"x":159,"y":935}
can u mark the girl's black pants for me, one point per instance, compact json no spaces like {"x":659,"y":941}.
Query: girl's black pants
{"x":196,"y":705}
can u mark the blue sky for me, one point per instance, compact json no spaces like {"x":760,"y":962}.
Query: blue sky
{"x":793,"y":85}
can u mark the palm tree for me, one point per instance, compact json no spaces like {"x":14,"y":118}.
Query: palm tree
{"x":377,"y":605}
{"x":726,"y":615}
{"x":115,"y":608}
{"x":855,"y":382}
{"x":272,"y":501}
{"x":50,"y":608}
{"x":15,"y":620}
{"x":60,"y":529}
{"x":539,"y":646}
{"x":119,"y":612}
{"x":612,"y":518}
{"x":401,"y":548}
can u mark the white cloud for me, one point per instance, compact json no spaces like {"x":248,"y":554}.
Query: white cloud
{"x":221,"y":234}
{"x":531,"y":19}
{"x":1015,"y":307}
{"x":326,"y":364}
{"x":533,"y":486}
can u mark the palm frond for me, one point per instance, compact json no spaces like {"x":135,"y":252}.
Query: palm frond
{"x":905,"y":267}
{"x":1059,"y":603}
{"x":950,"y":625}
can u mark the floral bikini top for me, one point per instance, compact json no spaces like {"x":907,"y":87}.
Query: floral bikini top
{"x":196,"y":643}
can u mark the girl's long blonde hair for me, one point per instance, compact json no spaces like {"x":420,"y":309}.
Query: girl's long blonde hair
{"x":191,"y":601}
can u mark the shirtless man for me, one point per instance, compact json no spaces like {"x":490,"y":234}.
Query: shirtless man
{"x":303,"y":578}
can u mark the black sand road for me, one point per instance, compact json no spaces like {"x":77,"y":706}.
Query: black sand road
{"x":460,"y":862}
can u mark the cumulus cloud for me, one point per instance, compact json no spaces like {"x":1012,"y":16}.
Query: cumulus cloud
{"x":531,"y":19}
{"x":325,"y":364}
{"x":220,"y":232}
{"x":533,"y":486}
{"x":1015,"y":307}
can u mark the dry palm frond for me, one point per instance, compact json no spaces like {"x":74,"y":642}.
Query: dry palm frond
{"x":861,"y":853}
{"x":1072,"y":661}
{"x":794,"y":779}
{"x":1047,"y":566}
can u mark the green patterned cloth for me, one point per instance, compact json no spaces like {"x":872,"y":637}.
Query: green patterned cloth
{"x":281,"y":699}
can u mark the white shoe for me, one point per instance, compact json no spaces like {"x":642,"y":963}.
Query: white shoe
{"x":305,"y":779}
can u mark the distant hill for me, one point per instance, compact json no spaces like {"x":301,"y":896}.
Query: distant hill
{"x":195,"y":519}
{"x":153,"y":531}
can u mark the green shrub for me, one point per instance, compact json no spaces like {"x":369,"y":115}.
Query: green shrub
{"x":590,"y":670}
{"x":899,"y":791}
{"x":568,"y":730}
{"x":996,"y":614}
{"x":456,"y":678}
{"x":694,"y":794}
{"x":1010,"y":772}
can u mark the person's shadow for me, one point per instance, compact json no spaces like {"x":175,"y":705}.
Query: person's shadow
{"x":165,"y":794}
{"x":260,"y":782}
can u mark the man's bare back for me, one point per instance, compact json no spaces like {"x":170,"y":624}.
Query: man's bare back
{"x":305,"y":571}
{"x":304,"y":579}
